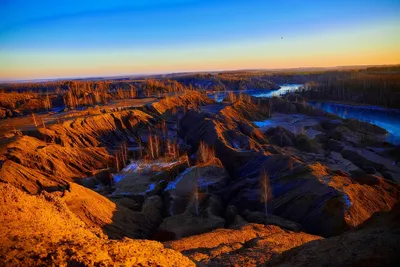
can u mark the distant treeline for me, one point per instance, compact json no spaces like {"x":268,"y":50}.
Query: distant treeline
{"x":226,"y":81}
{"x":373,"y":86}
{"x":143,"y":86}
{"x":17,"y":99}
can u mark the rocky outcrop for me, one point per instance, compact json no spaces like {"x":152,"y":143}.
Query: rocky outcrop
{"x":42,"y":230}
{"x":251,"y":245}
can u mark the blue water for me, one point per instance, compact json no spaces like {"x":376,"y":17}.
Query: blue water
{"x":265,"y":123}
{"x":388,"y":119}
{"x":285,"y":88}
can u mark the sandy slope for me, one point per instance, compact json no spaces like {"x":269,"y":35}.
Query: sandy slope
{"x":42,"y":230}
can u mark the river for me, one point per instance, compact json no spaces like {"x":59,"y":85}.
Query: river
{"x":388,"y":119}
{"x":285,"y":88}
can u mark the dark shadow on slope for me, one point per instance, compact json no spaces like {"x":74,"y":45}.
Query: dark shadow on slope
{"x":374,"y":243}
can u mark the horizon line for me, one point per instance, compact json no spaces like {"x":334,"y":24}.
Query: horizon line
{"x":143,"y":75}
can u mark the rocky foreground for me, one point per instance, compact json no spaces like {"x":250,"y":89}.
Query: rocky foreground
{"x":180,"y":182}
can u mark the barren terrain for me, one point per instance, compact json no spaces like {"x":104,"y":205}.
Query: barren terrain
{"x":162,"y":175}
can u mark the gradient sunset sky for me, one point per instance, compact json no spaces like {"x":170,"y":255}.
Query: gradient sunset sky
{"x":57,"y":39}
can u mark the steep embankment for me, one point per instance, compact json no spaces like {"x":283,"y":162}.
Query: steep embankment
{"x":33,"y":165}
{"x":102,"y":130}
{"x":230,"y":132}
{"x":69,"y":151}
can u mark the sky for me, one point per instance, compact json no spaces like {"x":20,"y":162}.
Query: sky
{"x":85,"y":38}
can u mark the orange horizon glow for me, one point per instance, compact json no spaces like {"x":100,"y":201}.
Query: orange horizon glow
{"x":368,"y":43}
{"x":114,"y":69}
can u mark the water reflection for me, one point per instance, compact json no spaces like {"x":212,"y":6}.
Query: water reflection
{"x":388,"y":119}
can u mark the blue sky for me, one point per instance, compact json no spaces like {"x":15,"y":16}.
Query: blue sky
{"x":48,"y":39}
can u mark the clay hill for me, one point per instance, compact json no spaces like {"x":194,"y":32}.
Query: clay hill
{"x":186,"y":181}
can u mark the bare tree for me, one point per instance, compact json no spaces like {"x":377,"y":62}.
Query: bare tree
{"x":265,"y":190}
